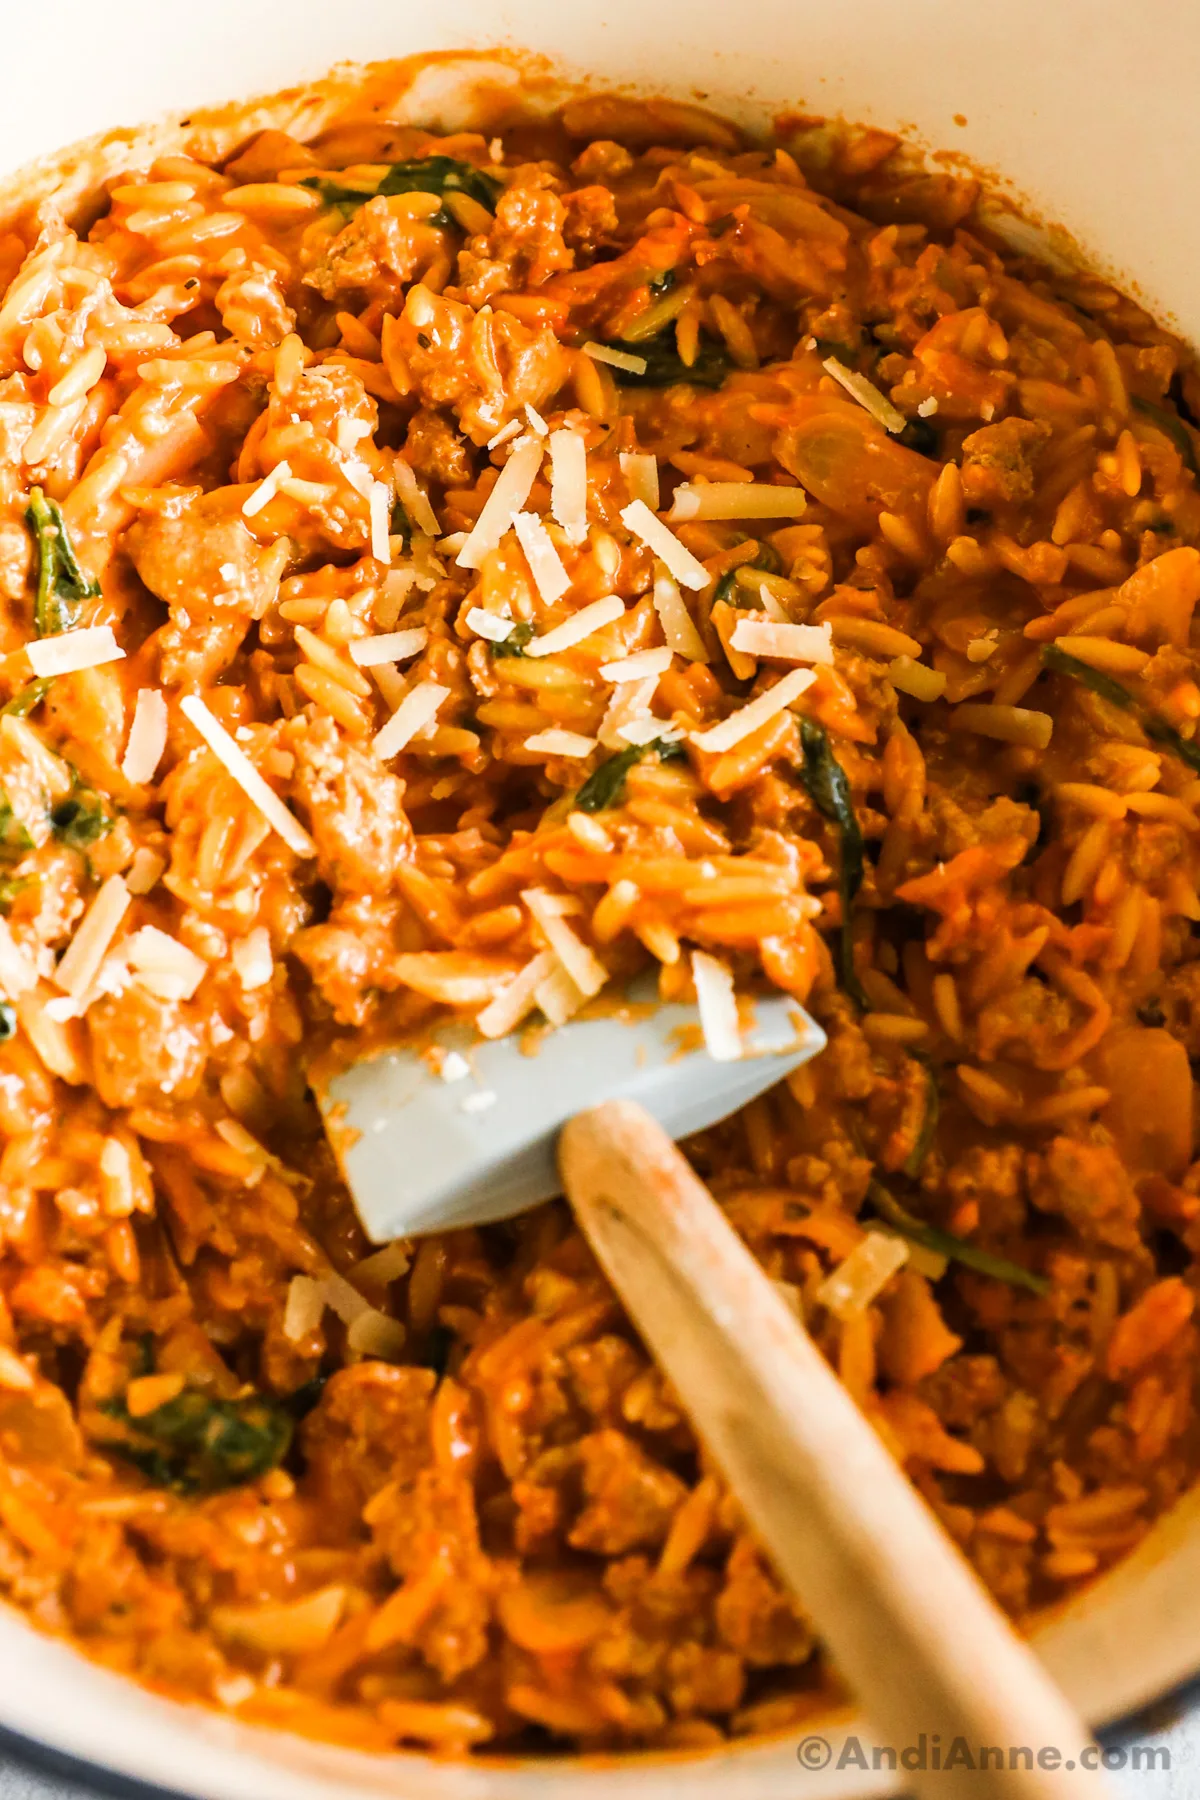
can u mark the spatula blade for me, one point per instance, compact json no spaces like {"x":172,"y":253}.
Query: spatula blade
{"x":423,"y":1154}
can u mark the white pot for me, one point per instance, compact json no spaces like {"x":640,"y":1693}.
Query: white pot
{"x":1088,"y":108}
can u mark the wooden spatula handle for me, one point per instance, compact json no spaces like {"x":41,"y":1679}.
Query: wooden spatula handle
{"x":908,"y":1625}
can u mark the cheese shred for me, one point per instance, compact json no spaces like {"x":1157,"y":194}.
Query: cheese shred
{"x":755,"y":713}
{"x":717,"y":1002}
{"x":503,"y":504}
{"x":417,"y":710}
{"x":687,"y":569}
{"x":256,"y":790}
{"x":69,"y":651}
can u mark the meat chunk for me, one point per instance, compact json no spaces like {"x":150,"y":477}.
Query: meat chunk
{"x":756,"y":1618}
{"x":435,"y":449}
{"x":142,"y":1048}
{"x":355,"y":809}
{"x":375,"y":254}
{"x":371,"y":1426}
{"x":591,"y":218}
{"x":430,"y":1534}
{"x":201,"y":559}
{"x":1087,"y":1185}
{"x":352,"y":956}
{"x":487,"y":366}
{"x":631,"y":1499}
{"x":998,"y":461}
{"x":524,"y":248}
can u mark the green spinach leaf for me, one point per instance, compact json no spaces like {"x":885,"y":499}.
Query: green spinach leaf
{"x":198,"y":1444}
{"x":14,"y":838}
{"x":944,"y":1243}
{"x":1171,"y":426}
{"x":829,"y":790}
{"x":1062,"y":663}
{"x":10,"y":887}
{"x":915,"y":1160}
{"x":439,"y":175}
{"x":62,"y":585}
{"x":604,"y":786}
{"x":81,"y":819}
{"x":731,"y":590}
{"x":28,"y":697}
{"x":665,"y":366}
{"x":514,"y":644}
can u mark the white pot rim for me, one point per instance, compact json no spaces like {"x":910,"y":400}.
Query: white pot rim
{"x":1135,"y":1635}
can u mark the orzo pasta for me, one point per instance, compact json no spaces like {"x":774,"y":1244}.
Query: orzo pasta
{"x":461,"y":572}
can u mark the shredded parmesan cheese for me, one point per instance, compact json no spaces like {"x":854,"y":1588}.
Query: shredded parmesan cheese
{"x":861,"y":1277}
{"x":147,"y":737}
{"x":380,"y":505}
{"x":251,"y":958}
{"x":266,"y":490}
{"x":50,"y":1036}
{"x":504,"y":434}
{"x":69,"y":651}
{"x":755,"y":713}
{"x":489,"y":625}
{"x":356,"y":473}
{"x":736,"y":500}
{"x":867,"y":395}
{"x":163,"y":965}
{"x":581,"y":625}
{"x":649,"y":731}
{"x":582,"y":965}
{"x":638,"y":666}
{"x":247,"y":776}
{"x":417,"y":709}
{"x":80,"y":961}
{"x":787,"y":643}
{"x":686,"y":568}
{"x":568,"y":483}
{"x":616,"y":359}
{"x":384,"y":1266}
{"x":981,"y":648}
{"x":374,"y":1333}
{"x":344,"y":1300}
{"x":641,"y":476}
{"x":414,"y":499}
{"x":144,"y":871}
{"x":536,"y":421}
{"x":518,"y":998}
{"x":679,"y":628}
{"x":17,"y":973}
{"x":304,"y":1307}
{"x":350,"y":432}
{"x":394,"y":590}
{"x":771,"y":606}
{"x":545,"y":564}
{"x":629,"y":704}
{"x":503,"y":504}
{"x":389,"y":646}
{"x":718,"y":1007}
{"x":559,"y":998}
{"x":454,"y":1067}
{"x":560,"y":743}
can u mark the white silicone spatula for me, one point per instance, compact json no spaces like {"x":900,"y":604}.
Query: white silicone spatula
{"x":422,"y":1154}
